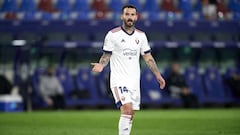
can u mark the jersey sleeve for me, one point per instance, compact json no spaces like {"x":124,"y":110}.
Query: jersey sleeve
{"x":108,"y":43}
{"x":145,"y":48}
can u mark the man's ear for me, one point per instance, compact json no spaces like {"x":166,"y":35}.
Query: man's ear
{"x":138,"y":15}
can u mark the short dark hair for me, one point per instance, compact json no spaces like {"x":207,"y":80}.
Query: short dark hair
{"x":128,"y":6}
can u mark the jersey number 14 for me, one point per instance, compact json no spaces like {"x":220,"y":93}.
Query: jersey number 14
{"x":123,"y":89}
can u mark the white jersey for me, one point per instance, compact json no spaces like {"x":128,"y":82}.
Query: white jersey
{"x":124,"y":62}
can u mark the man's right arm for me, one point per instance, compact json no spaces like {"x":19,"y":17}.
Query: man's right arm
{"x":104,"y":60}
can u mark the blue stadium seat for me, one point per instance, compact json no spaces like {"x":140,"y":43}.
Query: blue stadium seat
{"x":81,"y":5}
{"x":234,"y":5}
{"x":151,"y":6}
{"x":195,"y":83}
{"x":83,"y":16}
{"x":236,"y":15}
{"x":102,"y":82}
{"x":214,"y":86}
{"x":167,"y":72}
{"x":29,"y":16}
{"x":230,"y":71}
{"x":63,"y":5}
{"x":28,"y":5}
{"x":229,"y":93}
{"x":66,"y":80}
{"x":170,"y":16}
{"x":37,"y":100}
{"x":46,"y":16}
{"x":198,"y":6}
{"x":136,"y":3}
{"x":104,"y":95}
{"x":82,"y":79}
{"x":150,"y":90}
{"x":85,"y":80}
{"x":186,"y":7}
{"x":116,"y":5}
{"x":153,"y":16}
{"x":64,"y":16}
{"x":9,"y":6}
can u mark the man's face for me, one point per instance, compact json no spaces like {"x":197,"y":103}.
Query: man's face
{"x":129,"y":17}
{"x":175,"y":68}
{"x":50,"y":71}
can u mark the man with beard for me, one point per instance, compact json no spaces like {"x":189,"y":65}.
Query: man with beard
{"x":122,"y":47}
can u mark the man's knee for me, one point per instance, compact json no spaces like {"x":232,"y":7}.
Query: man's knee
{"x":127,"y":109}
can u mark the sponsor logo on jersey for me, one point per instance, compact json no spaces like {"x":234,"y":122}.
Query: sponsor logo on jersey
{"x":129,"y":52}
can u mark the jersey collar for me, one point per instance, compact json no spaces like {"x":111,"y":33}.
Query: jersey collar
{"x":128,"y":33}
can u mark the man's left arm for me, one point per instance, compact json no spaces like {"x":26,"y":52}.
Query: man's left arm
{"x":153,"y":67}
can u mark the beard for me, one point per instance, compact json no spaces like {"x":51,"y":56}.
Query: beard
{"x":129,"y":23}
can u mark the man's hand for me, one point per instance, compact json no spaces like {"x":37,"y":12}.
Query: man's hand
{"x":161,"y":81}
{"x":97,"y":67}
{"x":49,"y":101}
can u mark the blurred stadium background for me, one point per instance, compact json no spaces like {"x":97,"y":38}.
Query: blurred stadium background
{"x":203,"y":36}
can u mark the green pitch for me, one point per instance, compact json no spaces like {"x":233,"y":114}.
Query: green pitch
{"x":147,"y":122}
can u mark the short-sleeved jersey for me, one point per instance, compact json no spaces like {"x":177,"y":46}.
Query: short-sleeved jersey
{"x":124,"y":62}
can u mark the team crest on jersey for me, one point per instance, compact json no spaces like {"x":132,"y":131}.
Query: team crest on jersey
{"x":137,"y":41}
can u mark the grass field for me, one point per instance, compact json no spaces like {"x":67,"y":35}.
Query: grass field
{"x":104,"y":122}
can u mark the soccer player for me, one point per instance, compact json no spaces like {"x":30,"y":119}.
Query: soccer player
{"x":122,"y":47}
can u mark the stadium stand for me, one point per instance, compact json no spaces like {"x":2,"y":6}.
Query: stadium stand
{"x":186,"y":7}
{"x":85,"y":84}
{"x":66,"y":79}
{"x":151,"y":6}
{"x":93,"y":88}
{"x":81,"y":5}
{"x":195,"y":83}
{"x":177,"y":31}
{"x":152,"y":9}
{"x":151,"y":95}
{"x":63,"y":5}
{"x":136,"y":3}
{"x":104,"y":95}
{"x":37,"y":101}
{"x":230,"y":93}
{"x":9,"y":6}
{"x":28,"y":6}
{"x":115,"y":7}
{"x":214,"y":86}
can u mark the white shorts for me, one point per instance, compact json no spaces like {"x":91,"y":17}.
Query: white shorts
{"x":124,"y":95}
